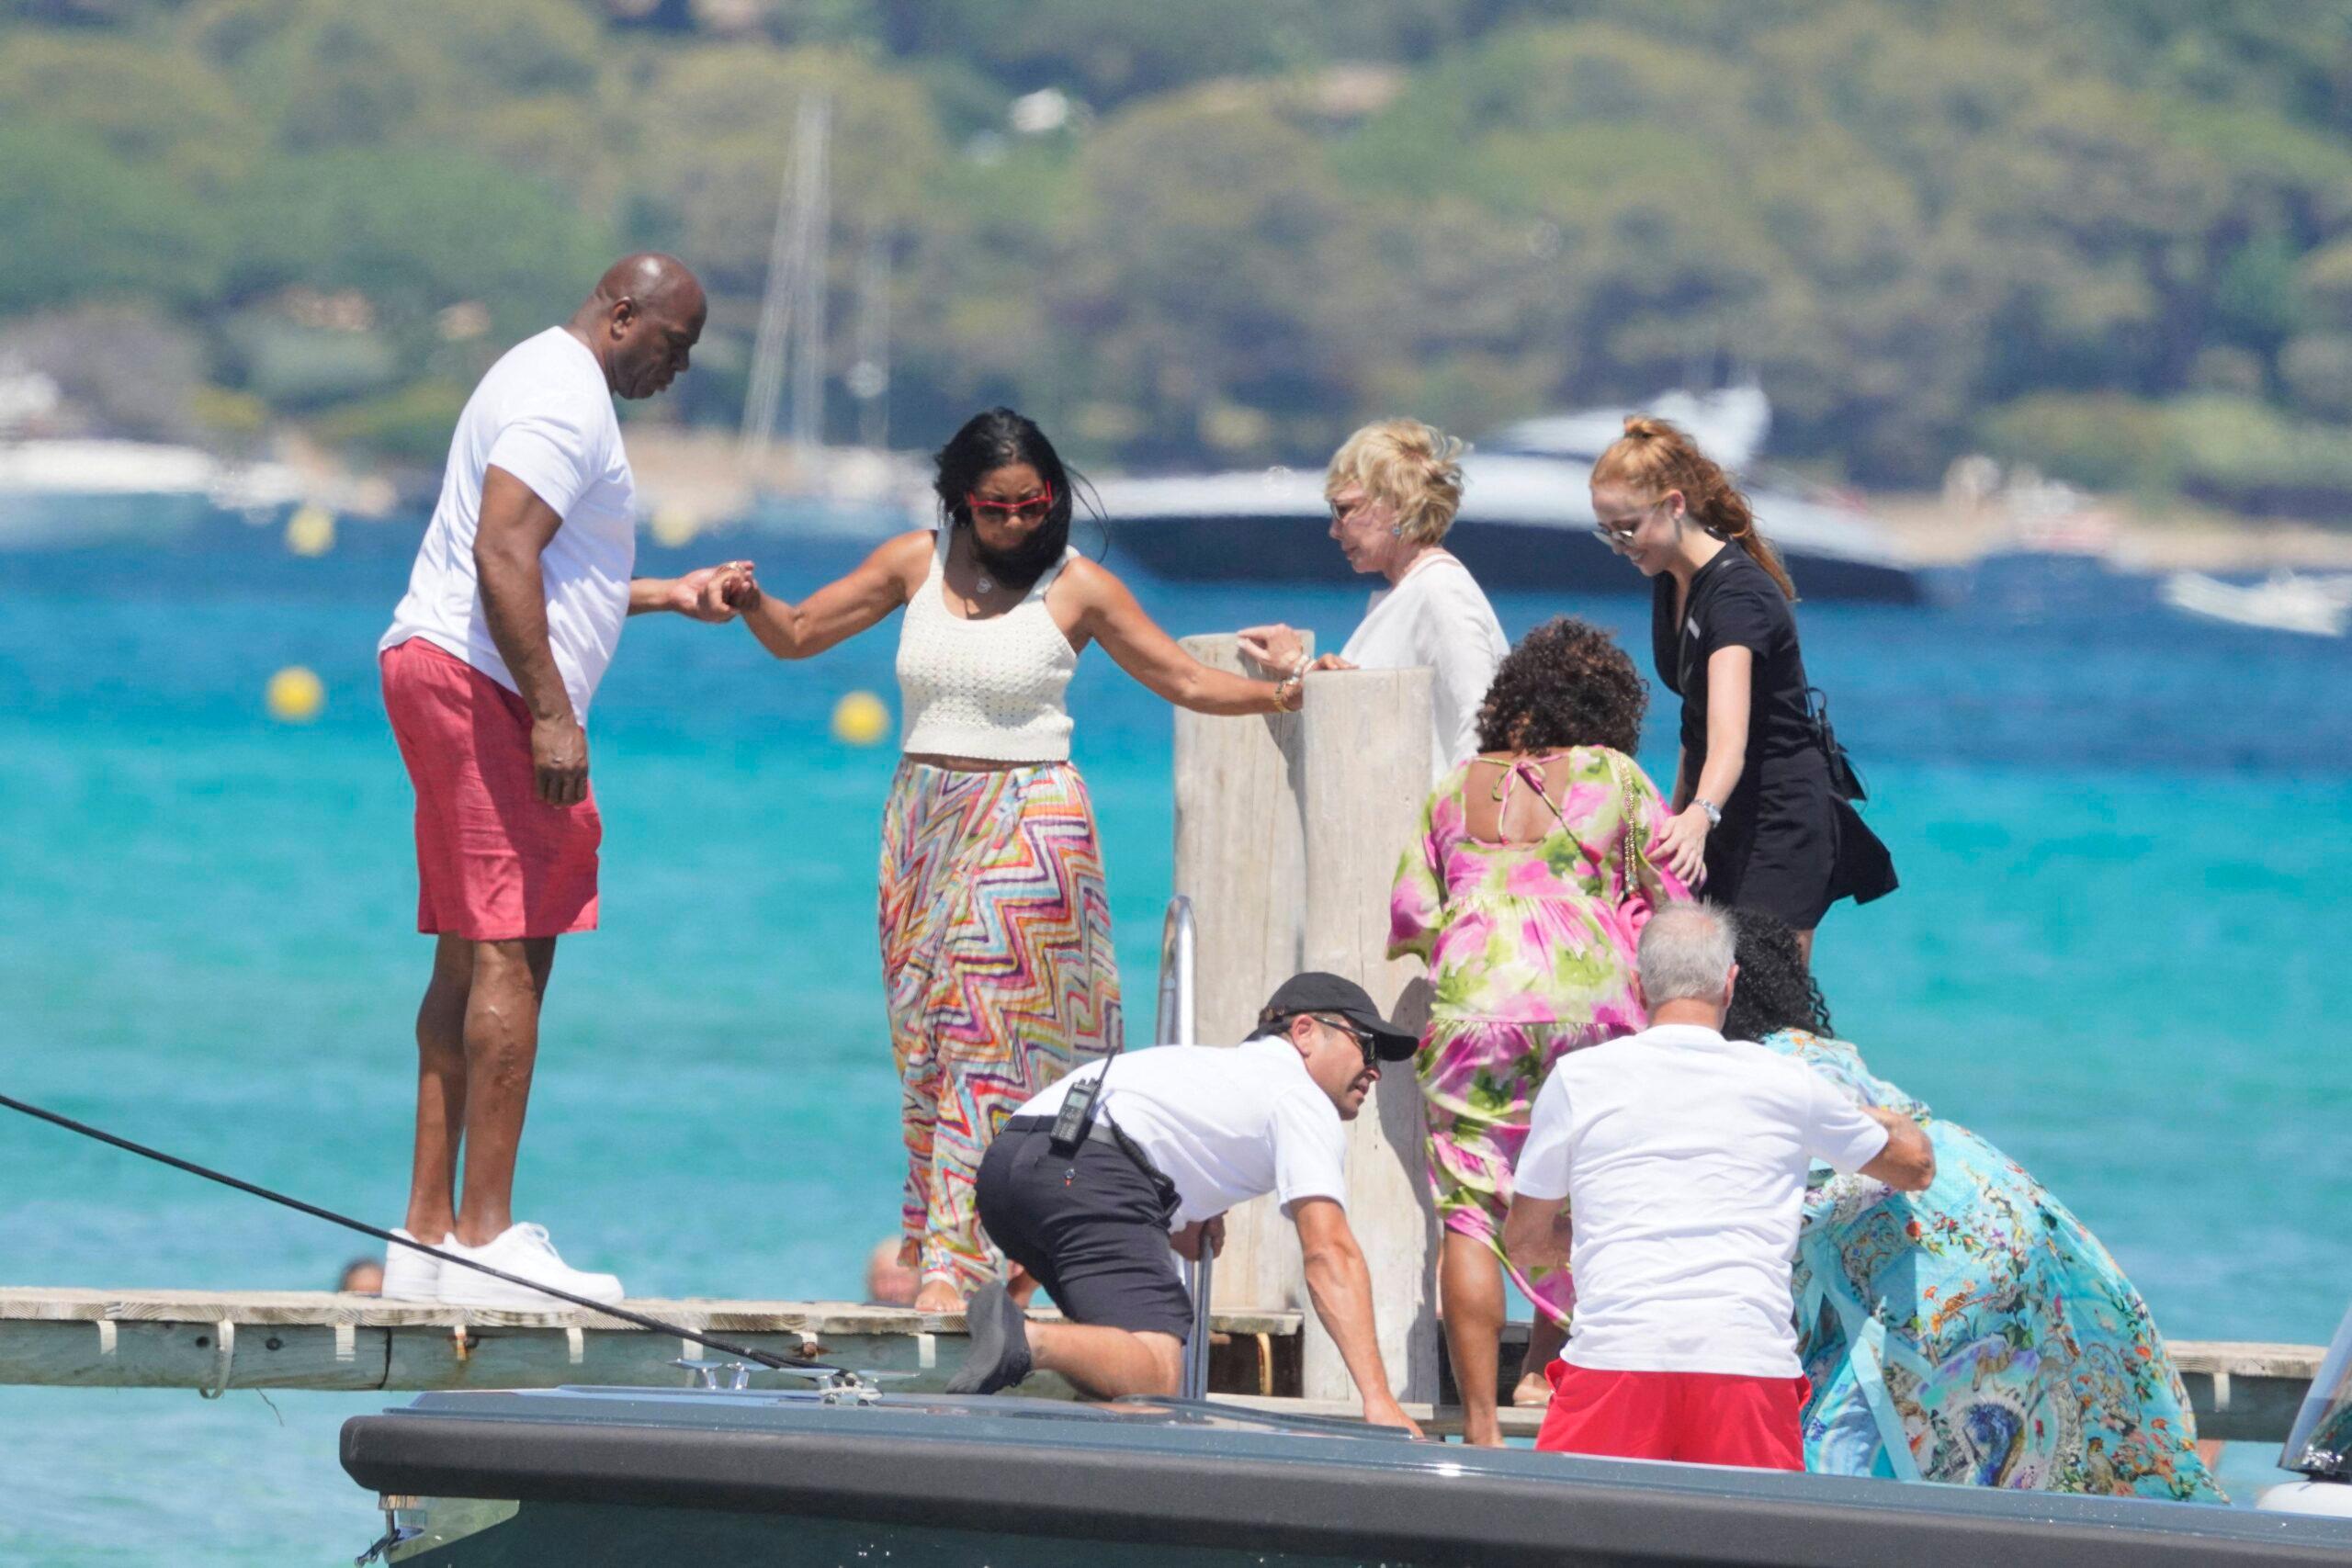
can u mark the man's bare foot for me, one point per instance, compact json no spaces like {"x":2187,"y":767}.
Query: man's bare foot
{"x":938,"y":1295}
{"x":1533,"y":1392}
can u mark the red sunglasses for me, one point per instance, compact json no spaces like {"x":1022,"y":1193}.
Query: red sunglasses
{"x":1035,"y":505}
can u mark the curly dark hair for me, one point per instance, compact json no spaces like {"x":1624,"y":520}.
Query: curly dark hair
{"x":1775,"y":989}
{"x":1566,"y":683}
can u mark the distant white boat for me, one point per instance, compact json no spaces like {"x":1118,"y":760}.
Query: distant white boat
{"x":2286,"y":601}
{"x":1729,"y":424}
{"x":1525,"y":522}
{"x":54,"y":492}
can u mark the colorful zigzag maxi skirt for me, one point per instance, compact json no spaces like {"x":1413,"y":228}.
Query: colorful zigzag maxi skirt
{"x":997,"y":957}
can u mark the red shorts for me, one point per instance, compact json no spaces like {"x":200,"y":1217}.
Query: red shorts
{"x":1697,"y":1417}
{"x":494,"y":862}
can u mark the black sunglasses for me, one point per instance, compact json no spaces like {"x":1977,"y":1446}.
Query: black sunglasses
{"x":1365,"y":1042}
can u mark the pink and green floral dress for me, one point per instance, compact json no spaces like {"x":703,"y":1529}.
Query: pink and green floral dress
{"x":1530,"y":951}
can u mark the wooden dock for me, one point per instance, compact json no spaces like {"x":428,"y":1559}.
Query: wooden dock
{"x":216,"y":1340}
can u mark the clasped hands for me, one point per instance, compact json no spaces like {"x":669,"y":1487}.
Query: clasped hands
{"x":715,"y":594}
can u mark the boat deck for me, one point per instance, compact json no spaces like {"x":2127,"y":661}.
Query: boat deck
{"x":215,"y":1340}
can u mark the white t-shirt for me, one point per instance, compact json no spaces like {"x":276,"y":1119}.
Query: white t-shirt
{"x":1682,"y":1155}
{"x":545,"y":415}
{"x":1224,"y":1124}
{"x":1439,"y":618}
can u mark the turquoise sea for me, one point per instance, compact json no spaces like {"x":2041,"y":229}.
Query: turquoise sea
{"x":2117,"y":952}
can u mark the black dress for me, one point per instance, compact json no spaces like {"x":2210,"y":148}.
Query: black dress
{"x":1789,"y":844}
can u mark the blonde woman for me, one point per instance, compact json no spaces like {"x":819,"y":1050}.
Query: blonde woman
{"x":1393,"y":487}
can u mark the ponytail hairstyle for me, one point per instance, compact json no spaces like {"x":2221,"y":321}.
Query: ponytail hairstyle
{"x":1653,"y":456}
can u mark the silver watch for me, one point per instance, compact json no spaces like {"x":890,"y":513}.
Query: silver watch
{"x":1715,"y":813}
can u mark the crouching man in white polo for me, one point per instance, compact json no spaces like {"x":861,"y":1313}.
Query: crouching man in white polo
{"x":1177,"y":1136}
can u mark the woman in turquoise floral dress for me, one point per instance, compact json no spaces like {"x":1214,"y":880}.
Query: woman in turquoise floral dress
{"x":1976,"y":1332}
{"x":1524,"y":895}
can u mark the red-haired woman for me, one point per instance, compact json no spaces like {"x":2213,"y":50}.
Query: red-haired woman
{"x":1755,"y":820}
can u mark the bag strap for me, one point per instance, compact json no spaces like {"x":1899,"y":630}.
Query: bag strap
{"x":1630,"y":823}
{"x":1624,"y":807}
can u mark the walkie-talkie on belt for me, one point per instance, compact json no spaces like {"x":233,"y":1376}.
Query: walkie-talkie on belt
{"x":1076,"y":1118}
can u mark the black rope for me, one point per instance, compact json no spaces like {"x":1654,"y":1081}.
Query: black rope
{"x":782,"y":1363}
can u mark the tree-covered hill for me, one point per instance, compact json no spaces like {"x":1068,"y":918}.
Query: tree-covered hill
{"x":2114,"y":236}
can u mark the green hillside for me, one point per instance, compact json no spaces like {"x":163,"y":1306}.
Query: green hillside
{"x":2112,"y":236}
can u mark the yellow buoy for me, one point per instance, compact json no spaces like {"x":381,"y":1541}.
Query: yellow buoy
{"x":310,"y":530}
{"x":295,"y":696}
{"x":860,"y":718}
{"x":675,"y":525}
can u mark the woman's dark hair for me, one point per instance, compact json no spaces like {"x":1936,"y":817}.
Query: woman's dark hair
{"x":1775,"y":990}
{"x":996,"y":439}
{"x":1566,"y":683}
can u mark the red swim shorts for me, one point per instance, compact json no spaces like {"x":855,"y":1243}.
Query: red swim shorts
{"x":494,"y":862}
{"x":1697,"y":1417}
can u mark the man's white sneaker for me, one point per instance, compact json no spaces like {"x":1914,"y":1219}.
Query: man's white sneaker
{"x":410,"y":1275}
{"x":523,"y":1250}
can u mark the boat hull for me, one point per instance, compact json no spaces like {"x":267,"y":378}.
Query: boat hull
{"x":634,"y":1476}
{"x":1517,"y":556}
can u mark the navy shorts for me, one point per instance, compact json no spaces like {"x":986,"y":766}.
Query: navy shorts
{"x":1092,"y":1228}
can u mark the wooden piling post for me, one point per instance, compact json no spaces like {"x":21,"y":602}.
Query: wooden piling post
{"x":1287,"y":835}
{"x":1367,"y":775}
{"x":1241,"y":858}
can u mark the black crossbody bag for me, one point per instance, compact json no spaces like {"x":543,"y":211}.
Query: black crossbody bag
{"x":1843,"y":778}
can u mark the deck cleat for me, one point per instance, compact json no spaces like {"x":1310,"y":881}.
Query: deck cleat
{"x":706,"y":1374}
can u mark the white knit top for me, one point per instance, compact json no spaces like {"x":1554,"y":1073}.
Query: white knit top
{"x":989,"y":688}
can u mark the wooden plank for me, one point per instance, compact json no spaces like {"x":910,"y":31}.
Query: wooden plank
{"x":2244,"y":1391}
{"x":2247,"y":1358}
{"x":2240,"y":1391}
{"x":317,"y":1340}
{"x":82,"y":1304}
{"x":1240,"y":856}
{"x":101,"y":1354}
{"x":1367,"y":778}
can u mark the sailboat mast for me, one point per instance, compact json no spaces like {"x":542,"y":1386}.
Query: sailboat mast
{"x":795,"y":293}
{"x":809,"y":252}
{"x":869,"y":376}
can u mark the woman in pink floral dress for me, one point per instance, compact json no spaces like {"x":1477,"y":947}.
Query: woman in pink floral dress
{"x":1525,"y":895}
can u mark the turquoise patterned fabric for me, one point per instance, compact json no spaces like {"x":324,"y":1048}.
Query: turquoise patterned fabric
{"x":1976,"y":1333}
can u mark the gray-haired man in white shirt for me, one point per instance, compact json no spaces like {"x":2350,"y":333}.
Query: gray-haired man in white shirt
{"x":1681,"y":1156}
{"x":1177,"y":1136}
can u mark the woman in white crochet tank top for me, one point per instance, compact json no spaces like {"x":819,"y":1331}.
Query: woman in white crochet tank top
{"x":996,"y":930}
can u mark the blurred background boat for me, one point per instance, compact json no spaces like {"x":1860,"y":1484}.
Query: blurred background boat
{"x":2313,"y":605}
{"x":56,"y":493}
{"x":1526,"y":517}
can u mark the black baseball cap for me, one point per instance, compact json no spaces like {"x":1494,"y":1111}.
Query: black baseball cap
{"x":1316,"y":991}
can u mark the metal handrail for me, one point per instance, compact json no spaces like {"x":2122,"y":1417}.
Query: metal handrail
{"x":1177,"y":1025}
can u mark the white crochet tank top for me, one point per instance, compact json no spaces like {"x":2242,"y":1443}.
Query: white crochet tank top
{"x":989,"y":688}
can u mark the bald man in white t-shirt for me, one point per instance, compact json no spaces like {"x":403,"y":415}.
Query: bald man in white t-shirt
{"x":522,"y":583}
{"x":1680,"y":1158}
